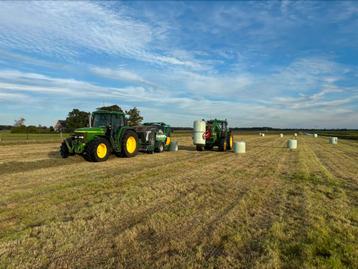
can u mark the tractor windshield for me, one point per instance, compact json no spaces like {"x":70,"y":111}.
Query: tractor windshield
{"x":101,"y":120}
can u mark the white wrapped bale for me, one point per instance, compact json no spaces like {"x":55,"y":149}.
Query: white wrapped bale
{"x":240,"y":147}
{"x":281,"y":135}
{"x":199,"y":130}
{"x":315,"y":135}
{"x":333,"y":140}
{"x":173,"y":146}
{"x":292,"y":144}
{"x":295,"y":134}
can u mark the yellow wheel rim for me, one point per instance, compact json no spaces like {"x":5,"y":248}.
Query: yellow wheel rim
{"x":101,"y":150}
{"x":168,"y":141}
{"x":231,"y":141}
{"x":131,"y":144}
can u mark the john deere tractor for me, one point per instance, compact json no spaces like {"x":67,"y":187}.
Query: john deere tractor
{"x":110,"y":134}
{"x":211,"y":133}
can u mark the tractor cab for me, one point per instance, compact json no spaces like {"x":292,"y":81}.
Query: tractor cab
{"x":108,"y":119}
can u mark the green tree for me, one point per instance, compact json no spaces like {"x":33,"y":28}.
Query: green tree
{"x":134,"y":116}
{"x":111,"y":108}
{"x":20,"y":122}
{"x":77,"y":119}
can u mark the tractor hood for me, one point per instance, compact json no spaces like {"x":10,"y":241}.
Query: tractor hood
{"x":93,"y":130}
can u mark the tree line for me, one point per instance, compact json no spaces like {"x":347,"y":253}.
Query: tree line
{"x":77,"y":119}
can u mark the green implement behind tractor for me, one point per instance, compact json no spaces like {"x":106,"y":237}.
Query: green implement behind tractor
{"x":110,"y":134}
{"x":211,"y":133}
{"x":162,"y":135}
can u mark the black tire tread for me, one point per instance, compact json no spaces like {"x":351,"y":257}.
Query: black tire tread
{"x":91,"y":150}
{"x":124,"y":141}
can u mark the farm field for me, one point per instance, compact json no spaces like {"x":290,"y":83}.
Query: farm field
{"x":6,"y":137}
{"x":268,"y":208}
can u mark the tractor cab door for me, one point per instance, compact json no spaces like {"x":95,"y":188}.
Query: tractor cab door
{"x":117,"y":123}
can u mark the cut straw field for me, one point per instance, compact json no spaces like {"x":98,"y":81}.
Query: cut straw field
{"x":268,"y":208}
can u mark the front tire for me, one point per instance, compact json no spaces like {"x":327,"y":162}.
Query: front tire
{"x":64,"y":150}
{"x":130,"y":144}
{"x":98,"y":150}
{"x":160,"y":148}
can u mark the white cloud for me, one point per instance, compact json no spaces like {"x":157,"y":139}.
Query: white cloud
{"x":64,"y":29}
{"x":118,"y":74}
{"x":13,"y":97}
{"x":269,"y":99}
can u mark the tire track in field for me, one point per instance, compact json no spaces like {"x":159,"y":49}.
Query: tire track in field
{"x":152,"y":211}
{"x":32,"y":198}
{"x":141,"y":216}
{"x":216,"y":219}
{"x":270,"y":192}
{"x":337,"y":161}
{"x":329,"y":216}
{"x":107,"y":170}
{"x":345,"y":150}
{"x":87,"y":169}
{"x":113,"y":171}
{"x":342,"y":172}
{"x":215,"y":153}
{"x":143,"y":172}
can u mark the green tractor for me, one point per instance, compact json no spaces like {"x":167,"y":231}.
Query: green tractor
{"x":110,"y":134}
{"x":211,"y":133}
{"x":163,"y":132}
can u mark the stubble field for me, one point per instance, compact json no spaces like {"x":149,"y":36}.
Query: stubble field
{"x":268,"y":208}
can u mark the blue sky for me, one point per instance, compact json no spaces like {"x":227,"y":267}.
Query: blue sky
{"x":276,"y":63}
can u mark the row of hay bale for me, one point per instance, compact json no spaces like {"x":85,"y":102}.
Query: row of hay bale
{"x":295,"y":135}
{"x":240,"y":146}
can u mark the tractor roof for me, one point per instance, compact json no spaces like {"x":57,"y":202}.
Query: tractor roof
{"x":211,"y":121}
{"x":108,"y":112}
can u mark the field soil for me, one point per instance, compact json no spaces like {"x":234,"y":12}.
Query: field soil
{"x":268,"y":208}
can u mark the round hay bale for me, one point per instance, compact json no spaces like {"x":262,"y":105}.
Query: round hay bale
{"x":333,"y":140}
{"x":281,"y":135}
{"x":240,"y":147}
{"x":292,"y":144}
{"x":173,"y":146}
{"x":315,"y":135}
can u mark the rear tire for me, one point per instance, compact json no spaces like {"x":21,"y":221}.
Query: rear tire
{"x":98,"y":150}
{"x":130,"y":144}
{"x":230,"y":141}
{"x":223,"y":145}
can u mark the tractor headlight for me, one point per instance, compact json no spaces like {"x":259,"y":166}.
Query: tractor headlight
{"x":79,"y":136}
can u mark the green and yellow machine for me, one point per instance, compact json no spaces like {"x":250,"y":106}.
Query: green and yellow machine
{"x":163,"y":133}
{"x":110,"y":133}
{"x":211,"y":133}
